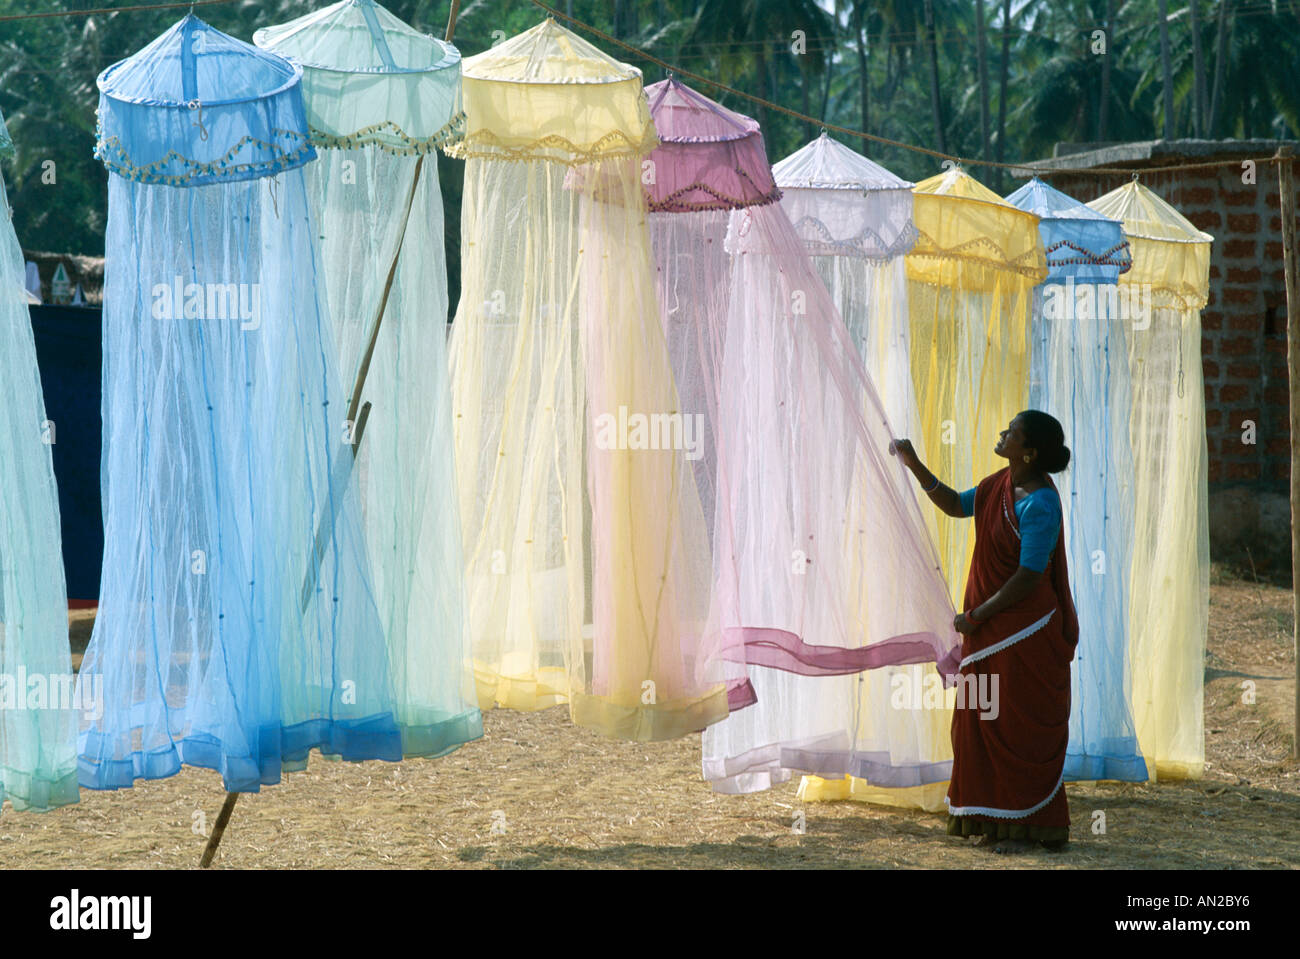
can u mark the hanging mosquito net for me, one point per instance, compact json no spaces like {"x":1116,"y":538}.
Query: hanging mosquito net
{"x":38,"y":713}
{"x":806,"y":490}
{"x":380,"y":98}
{"x":1169,"y":586}
{"x":855,"y":220}
{"x":1079,"y":374}
{"x":970,"y":280}
{"x":236,"y":627}
{"x":586,"y":548}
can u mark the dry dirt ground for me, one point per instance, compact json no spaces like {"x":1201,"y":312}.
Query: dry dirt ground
{"x":536,"y":792}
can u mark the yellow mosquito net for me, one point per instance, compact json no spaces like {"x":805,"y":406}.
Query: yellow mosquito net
{"x":1169,"y":589}
{"x":587,"y":557}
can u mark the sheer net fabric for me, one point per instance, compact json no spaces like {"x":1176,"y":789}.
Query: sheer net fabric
{"x":1080,"y":375}
{"x":855,"y":220}
{"x":795,"y":425}
{"x":586,"y":549}
{"x":970,"y":280}
{"x":1169,"y":587}
{"x":374,"y":82}
{"x":38,"y":724}
{"x":237,"y":628}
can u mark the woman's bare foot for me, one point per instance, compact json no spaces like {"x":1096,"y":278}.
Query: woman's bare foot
{"x":1014,"y":847}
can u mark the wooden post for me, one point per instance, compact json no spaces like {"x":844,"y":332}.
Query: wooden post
{"x":218,"y":829}
{"x":1291,"y":270}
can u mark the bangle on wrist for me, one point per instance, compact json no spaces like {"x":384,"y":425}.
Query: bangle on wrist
{"x":933,"y":486}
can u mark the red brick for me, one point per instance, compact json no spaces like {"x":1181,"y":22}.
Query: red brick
{"x":1214,"y":272}
{"x":1233,"y":392}
{"x":1279,"y":373}
{"x":1238,"y":249}
{"x":1213,"y":417}
{"x":1206,"y":220}
{"x":1275,"y":344}
{"x":1237,"y":346}
{"x":1243,"y":222}
{"x":1215,"y":471}
{"x":1240,"y":295}
{"x":1211,"y":320}
{"x":1242,"y":471}
{"x":1243,"y":321}
{"x":1281,"y":471}
{"x":1244,"y":371}
{"x":1275,"y":224}
{"x":1279,"y":446}
{"x":1277,"y":395}
{"x":1239,"y":197}
{"x":1196,"y":196}
{"x":1237,"y":275}
{"x":1210,"y":369}
{"x":1273,"y":249}
{"x":1237,"y":417}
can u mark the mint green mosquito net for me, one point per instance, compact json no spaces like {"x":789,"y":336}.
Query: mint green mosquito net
{"x":380,"y":98}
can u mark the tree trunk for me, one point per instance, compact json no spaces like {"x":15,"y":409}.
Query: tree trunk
{"x":932,"y":43}
{"x":864,"y":78}
{"x":1167,"y":70}
{"x":1103,"y":108}
{"x":1220,"y":67}
{"x":1198,"y":71}
{"x":982,"y":58}
{"x":1005,"y":69}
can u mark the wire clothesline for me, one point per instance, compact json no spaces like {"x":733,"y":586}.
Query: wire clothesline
{"x":825,"y":125}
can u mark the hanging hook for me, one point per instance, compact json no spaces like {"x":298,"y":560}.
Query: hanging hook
{"x":1135,"y":176}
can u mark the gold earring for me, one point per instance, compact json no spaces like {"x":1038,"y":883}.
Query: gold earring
{"x":1027,"y":457}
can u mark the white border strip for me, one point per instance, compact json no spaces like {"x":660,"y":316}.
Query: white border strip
{"x":1004,"y":643}
{"x":1004,"y":813}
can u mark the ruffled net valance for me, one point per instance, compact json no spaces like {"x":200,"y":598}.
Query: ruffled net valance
{"x":370,"y":78}
{"x":547,"y":94}
{"x":843,"y":204}
{"x":197,"y":106}
{"x":1078,"y":241}
{"x":962,"y":222}
{"x":709,"y":157}
{"x":1170,"y":255}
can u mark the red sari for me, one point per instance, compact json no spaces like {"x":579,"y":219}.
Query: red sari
{"x":1011,"y":728}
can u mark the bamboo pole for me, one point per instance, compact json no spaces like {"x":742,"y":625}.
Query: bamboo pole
{"x":357,"y":415}
{"x":1291,"y":270}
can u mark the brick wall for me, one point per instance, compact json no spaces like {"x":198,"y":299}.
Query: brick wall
{"x":1244,"y":324}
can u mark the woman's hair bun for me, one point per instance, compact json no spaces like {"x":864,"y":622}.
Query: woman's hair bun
{"x":1043,"y":433}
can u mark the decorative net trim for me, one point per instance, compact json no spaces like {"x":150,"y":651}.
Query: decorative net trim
{"x":1118,"y":255}
{"x":382,"y":135}
{"x":114,"y":156}
{"x":484,"y":144}
{"x":673,"y":202}
{"x":981,"y":250}
{"x":868,"y":244}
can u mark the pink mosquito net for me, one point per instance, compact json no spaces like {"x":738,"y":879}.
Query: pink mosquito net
{"x":822,"y":563}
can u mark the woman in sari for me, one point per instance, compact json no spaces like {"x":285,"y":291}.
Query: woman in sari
{"x":1012,"y":722}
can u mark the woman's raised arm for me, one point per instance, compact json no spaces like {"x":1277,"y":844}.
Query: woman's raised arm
{"x":944,"y":497}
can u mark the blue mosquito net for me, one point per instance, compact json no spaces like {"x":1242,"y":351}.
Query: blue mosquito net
{"x":38,"y":725}
{"x":237,"y":626}
{"x":1079,"y":373}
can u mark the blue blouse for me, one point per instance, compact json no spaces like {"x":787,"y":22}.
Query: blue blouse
{"x":1039,"y":516}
